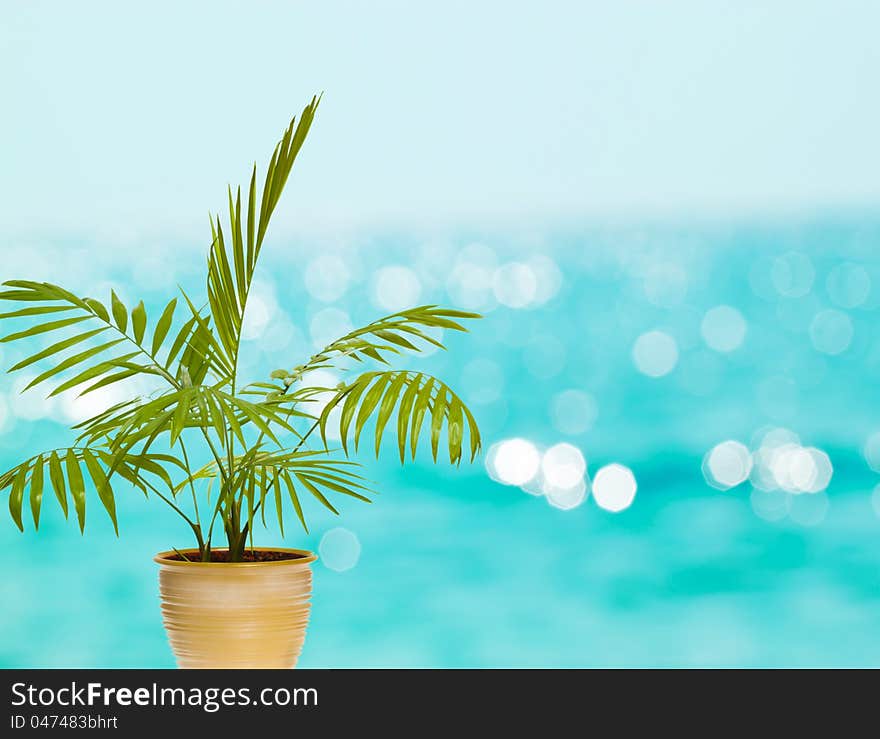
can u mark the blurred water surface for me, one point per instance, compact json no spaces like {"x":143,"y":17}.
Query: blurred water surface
{"x":642,"y":347}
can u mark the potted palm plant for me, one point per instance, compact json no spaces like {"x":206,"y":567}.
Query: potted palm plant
{"x":217,"y":451}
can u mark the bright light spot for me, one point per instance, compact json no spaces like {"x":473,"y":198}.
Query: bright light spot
{"x":30,"y":405}
{"x":824,"y":470}
{"x":514,"y":285}
{"x":872,"y":451}
{"x":573,"y":412}
{"x":566,"y":498}
{"x":339,"y":549}
{"x":563,"y":466}
{"x":281,"y":334}
{"x":655,"y":354}
{"x":802,"y":470}
{"x":319,"y":378}
{"x":788,"y":464}
{"x":547,"y":275}
{"x":848,"y":285}
{"x":727,"y":465}
{"x":513,"y":462}
{"x":614,"y":488}
{"x":482,"y":381}
{"x":771,"y":505}
{"x":808,"y":510}
{"x":831,"y":332}
{"x":665,"y":284}
{"x":470,"y":282}
{"x":261,"y":308}
{"x":257,"y":315}
{"x":328,"y":325}
{"x":723,"y":328}
{"x":792,"y":468}
{"x":327,"y":278}
{"x":793,"y":274}
{"x":816,"y":474}
{"x":77,"y":409}
{"x":544,"y":357}
{"x":766,"y":442}
{"x":396,"y":288}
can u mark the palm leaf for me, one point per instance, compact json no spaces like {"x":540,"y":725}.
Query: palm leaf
{"x":65,"y":472}
{"x":386,"y":336}
{"x":90,"y":309}
{"x":232,"y":261}
{"x":415,"y":395}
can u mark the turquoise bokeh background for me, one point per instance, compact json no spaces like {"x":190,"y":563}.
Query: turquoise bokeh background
{"x":458,"y":570}
{"x":597,"y":179}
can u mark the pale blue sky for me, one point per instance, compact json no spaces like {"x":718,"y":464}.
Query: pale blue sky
{"x":116,"y":118}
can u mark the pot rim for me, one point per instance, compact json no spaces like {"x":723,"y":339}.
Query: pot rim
{"x":306,"y":557}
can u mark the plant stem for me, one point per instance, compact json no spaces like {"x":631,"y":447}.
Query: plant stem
{"x":197,"y":529}
{"x":224,"y":478}
{"x":189,"y":477}
{"x":307,"y":435}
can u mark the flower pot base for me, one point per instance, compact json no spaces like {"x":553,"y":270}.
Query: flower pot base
{"x":235,"y":614}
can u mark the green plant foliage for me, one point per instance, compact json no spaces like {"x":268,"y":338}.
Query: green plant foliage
{"x":246,"y":447}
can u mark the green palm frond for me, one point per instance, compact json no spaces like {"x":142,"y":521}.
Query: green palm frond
{"x":304,"y":471}
{"x":416,"y":397}
{"x":233,"y":259}
{"x":66,"y":470}
{"x":94,"y":366}
{"x":383,"y":337}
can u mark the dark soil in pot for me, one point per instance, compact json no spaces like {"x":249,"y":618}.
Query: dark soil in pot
{"x":256,"y":555}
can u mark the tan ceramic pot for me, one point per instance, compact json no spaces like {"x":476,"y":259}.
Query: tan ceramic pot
{"x":236,"y":614}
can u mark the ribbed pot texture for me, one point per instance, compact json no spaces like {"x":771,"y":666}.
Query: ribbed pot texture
{"x":235,"y":614}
